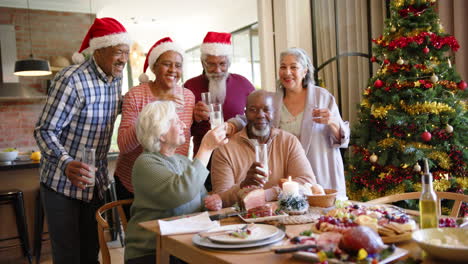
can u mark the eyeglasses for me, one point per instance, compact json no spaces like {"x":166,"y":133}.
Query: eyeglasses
{"x":212,"y":66}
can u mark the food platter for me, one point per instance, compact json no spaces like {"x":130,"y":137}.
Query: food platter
{"x":260,"y":232}
{"x":398,"y":253}
{"x":390,"y":222}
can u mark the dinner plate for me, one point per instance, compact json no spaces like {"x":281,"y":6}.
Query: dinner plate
{"x":259,"y":232}
{"x":398,"y":253}
{"x":205,"y":242}
{"x":263,"y":219}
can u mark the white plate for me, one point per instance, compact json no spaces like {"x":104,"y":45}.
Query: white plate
{"x":263,"y":219}
{"x":425,"y":237}
{"x":205,"y":242}
{"x":398,"y":253}
{"x":260,"y":232}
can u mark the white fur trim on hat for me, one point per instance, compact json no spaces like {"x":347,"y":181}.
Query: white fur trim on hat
{"x":78,"y":58}
{"x":216,"y":49}
{"x":160,"y":49}
{"x":143,"y":78}
{"x":110,"y":40}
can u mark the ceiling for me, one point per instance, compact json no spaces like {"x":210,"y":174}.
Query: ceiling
{"x":185,"y":21}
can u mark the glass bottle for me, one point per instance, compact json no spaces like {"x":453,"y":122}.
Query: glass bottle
{"x":428,"y":201}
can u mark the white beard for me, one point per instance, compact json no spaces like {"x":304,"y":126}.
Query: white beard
{"x":260,"y":133}
{"x":217,"y":87}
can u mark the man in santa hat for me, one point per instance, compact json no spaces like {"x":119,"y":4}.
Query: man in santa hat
{"x":229,"y":89}
{"x":79,"y":113}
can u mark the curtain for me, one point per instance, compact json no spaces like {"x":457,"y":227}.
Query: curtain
{"x":453,"y":17}
{"x":352,"y":36}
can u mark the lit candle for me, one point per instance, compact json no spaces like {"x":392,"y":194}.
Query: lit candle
{"x":291,"y":187}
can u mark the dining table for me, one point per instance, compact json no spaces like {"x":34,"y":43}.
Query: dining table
{"x":181,"y":246}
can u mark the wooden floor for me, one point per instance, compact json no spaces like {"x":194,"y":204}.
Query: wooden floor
{"x":115,"y":249}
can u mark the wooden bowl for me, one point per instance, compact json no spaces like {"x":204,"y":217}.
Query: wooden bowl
{"x":326,"y":200}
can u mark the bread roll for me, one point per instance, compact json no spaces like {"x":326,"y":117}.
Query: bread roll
{"x":317,"y":189}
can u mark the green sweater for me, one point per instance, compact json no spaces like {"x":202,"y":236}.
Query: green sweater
{"x":163,"y":187}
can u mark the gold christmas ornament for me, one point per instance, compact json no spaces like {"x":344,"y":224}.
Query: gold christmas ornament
{"x":417,"y":83}
{"x":449,"y":128}
{"x":400,"y":61}
{"x":373,"y":158}
{"x":434,"y":78}
{"x":417,"y":168}
{"x":392,"y":29}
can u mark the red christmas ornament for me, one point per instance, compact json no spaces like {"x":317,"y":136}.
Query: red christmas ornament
{"x":386,"y":61}
{"x":462,"y":85}
{"x":426,"y":136}
{"x":378,"y":83}
{"x":373,"y":59}
{"x":426,"y":50}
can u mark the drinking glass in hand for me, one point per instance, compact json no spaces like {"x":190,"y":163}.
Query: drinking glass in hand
{"x":206,"y":98}
{"x":89,"y":157}
{"x":261,"y":155}
{"x":216,"y":115}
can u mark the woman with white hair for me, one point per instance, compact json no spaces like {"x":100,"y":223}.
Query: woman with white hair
{"x":165,"y":60}
{"x":165,"y":183}
{"x":310,"y":113}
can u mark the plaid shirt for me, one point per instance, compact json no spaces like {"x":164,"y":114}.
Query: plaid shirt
{"x":80,"y":112}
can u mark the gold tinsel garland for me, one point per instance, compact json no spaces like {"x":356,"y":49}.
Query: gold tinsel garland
{"x":388,"y":142}
{"x":426,"y":107}
{"x":442,"y":158}
{"x":463,"y":181}
{"x":381,"y":111}
{"x":441,"y":185}
{"x":365,"y":103}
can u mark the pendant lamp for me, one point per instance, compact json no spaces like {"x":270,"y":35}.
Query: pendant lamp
{"x":32,"y":66}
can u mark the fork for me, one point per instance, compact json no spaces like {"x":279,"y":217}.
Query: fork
{"x":225,"y":232}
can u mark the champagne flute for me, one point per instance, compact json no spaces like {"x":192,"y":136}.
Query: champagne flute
{"x":216,"y":115}
{"x":89,"y":158}
{"x":261,"y":155}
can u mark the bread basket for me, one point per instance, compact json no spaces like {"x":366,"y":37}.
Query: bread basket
{"x":326,"y":200}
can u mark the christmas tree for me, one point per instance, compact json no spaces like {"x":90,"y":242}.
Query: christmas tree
{"x":414,"y":107}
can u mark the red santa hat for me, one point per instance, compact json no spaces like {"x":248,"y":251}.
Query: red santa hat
{"x":161,"y":46}
{"x":217,"y":44}
{"x":104,"y":32}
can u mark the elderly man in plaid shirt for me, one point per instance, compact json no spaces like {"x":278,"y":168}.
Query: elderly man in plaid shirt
{"x":82,"y":105}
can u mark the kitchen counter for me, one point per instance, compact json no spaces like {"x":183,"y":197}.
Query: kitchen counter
{"x":24,"y":175}
{"x":31,"y":164}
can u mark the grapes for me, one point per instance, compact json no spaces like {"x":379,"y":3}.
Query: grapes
{"x":447,"y":222}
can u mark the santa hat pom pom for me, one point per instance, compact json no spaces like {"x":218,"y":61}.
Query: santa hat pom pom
{"x":78,"y":58}
{"x":143,"y":78}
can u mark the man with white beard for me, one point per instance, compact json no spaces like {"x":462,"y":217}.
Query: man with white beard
{"x":234,"y":166}
{"x":229,"y":89}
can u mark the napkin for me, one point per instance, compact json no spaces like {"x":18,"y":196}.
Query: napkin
{"x":187,"y":225}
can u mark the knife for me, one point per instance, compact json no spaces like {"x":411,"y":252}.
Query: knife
{"x":226,"y":215}
{"x":294,"y":249}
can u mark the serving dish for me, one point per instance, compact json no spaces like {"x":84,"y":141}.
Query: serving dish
{"x":439,"y":243}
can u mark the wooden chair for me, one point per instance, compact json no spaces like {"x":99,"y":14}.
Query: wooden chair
{"x":103,"y":225}
{"x":458,"y":198}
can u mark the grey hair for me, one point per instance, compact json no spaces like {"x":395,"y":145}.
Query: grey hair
{"x":154,"y":122}
{"x":203,"y":57}
{"x":303,"y":59}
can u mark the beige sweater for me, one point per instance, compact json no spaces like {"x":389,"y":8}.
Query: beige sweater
{"x":231,"y":162}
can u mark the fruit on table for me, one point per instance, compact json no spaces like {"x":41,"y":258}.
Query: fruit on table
{"x":9,"y":150}
{"x":36,"y":155}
